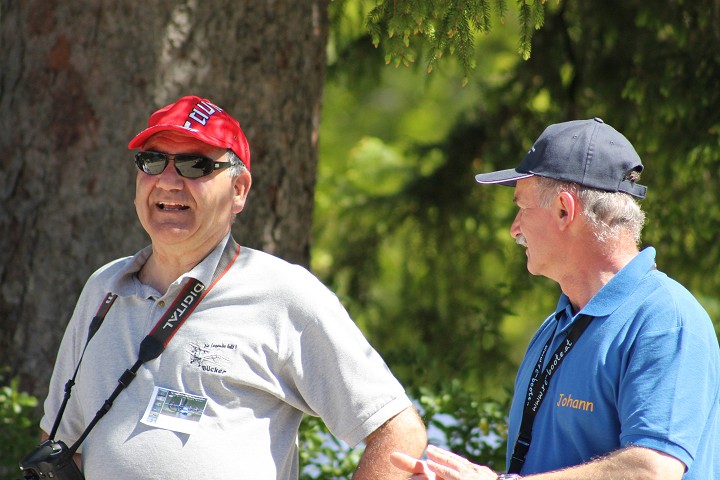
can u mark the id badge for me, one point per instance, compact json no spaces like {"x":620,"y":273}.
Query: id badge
{"x":176,"y":411}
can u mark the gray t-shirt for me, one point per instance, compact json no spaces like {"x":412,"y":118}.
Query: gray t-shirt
{"x":267,"y":344}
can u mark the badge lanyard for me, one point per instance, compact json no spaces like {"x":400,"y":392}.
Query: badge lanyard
{"x":156,"y":341}
{"x":538,"y":386}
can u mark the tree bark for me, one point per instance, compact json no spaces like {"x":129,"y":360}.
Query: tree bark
{"x":79,"y":79}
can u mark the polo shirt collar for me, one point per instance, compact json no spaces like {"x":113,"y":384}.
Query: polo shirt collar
{"x":127,"y":284}
{"x":205,"y":270}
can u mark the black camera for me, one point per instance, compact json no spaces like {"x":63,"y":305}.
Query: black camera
{"x":50,"y":460}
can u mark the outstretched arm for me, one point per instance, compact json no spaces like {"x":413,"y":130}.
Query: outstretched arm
{"x":405,"y":433}
{"x":630,"y":462}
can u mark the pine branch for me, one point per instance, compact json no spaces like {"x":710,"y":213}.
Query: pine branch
{"x":437,"y":28}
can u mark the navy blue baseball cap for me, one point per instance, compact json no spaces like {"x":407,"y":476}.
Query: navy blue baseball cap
{"x":588,"y":152}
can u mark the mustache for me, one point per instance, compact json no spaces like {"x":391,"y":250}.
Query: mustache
{"x":520,"y":240}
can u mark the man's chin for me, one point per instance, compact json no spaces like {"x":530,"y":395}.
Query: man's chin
{"x":532,"y":269}
{"x":169,"y":235}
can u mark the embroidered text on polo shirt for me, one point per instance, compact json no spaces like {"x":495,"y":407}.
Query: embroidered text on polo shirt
{"x":568,"y":402}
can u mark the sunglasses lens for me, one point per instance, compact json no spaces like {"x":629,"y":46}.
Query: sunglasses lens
{"x":193,"y":166}
{"x":188,"y":166}
{"x":152,"y":163}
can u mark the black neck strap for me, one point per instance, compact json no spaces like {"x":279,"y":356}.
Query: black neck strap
{"x":538,"y":386}
{"x":94,"y":325}
{"x":158,"y":338}
{"x":184,"y":304}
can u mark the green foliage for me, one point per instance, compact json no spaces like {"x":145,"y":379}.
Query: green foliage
{"x":457,"y":420}
{"x":420,"y":256}
{"x":651,"y":72}
{"x":422,"y":274}
{"x":411,"y":28}
{"x":532,"y":15}
{"x":322,"y":456}
{"x":18,"y":426}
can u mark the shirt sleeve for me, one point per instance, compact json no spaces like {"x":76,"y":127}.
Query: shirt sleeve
{"x":666,"y":392}
{"x":342,"y":378}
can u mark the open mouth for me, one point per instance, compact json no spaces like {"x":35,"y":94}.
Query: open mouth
{"x":170,"y":207}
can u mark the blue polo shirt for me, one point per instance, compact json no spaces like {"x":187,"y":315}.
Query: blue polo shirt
{"x":646,"y":372}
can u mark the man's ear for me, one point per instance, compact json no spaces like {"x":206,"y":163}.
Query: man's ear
{"x":242,"y":187}
{"x":566,"y":208}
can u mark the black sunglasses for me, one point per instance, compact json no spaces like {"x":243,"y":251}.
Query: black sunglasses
{"x":186,"y":165}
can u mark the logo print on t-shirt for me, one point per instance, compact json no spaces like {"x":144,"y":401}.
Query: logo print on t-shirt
{"x":208,"y":356}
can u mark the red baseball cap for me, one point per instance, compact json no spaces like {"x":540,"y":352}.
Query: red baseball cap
{"x":201,"y":119}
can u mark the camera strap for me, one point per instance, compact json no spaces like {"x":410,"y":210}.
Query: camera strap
{"x":538,"y":386}
{"x":155,"y":342}
{"x":94,"y":325}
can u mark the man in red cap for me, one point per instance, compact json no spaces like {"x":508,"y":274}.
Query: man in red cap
{"x":219,"y":350}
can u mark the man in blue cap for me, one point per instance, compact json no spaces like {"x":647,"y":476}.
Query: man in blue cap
{"x":622,"y":380}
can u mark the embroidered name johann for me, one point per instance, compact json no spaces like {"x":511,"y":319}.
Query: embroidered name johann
{"x":568,"y":402}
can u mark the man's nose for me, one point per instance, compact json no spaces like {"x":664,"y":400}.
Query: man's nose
{"x":170,"y":179}
{"x":515,"y":226}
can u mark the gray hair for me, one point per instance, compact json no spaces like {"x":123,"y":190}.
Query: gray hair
{"x":237,"y":166}
{"x":610,"y":214}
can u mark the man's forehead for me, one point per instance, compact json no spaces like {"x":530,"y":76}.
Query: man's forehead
{"x":178,"y":141}
{"x":524,"y":189}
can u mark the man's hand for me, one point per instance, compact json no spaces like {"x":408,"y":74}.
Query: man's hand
{"x":441,"y":465}
{"x":418,"y":468}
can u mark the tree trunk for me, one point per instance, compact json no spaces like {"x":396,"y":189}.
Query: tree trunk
{"x":79,"y":79}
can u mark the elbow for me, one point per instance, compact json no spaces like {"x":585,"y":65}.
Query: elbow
{"x":414,"y":432}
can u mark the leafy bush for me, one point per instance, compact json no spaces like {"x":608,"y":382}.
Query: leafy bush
{"x":459,"y":421}
{"x":322,"y":456}
{"x":18,"y":427}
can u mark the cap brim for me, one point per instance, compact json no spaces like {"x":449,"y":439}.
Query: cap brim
{"x":502,"y":177}
{"x":143,"y":136}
